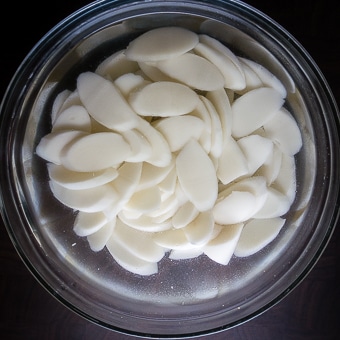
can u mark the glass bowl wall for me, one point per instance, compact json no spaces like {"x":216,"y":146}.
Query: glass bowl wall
{"x":191,"y":296}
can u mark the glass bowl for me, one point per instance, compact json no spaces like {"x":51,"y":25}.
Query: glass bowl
{"x":187,"y":297}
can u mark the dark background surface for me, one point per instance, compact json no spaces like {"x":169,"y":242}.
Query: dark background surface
{"x":311,"y":311}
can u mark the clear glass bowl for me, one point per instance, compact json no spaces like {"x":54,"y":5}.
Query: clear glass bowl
{"x":188,"y":297}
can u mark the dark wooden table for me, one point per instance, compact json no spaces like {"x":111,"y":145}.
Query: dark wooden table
{"x":310,"y":311}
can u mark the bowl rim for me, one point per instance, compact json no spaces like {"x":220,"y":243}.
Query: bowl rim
{"x":14,"y":215}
